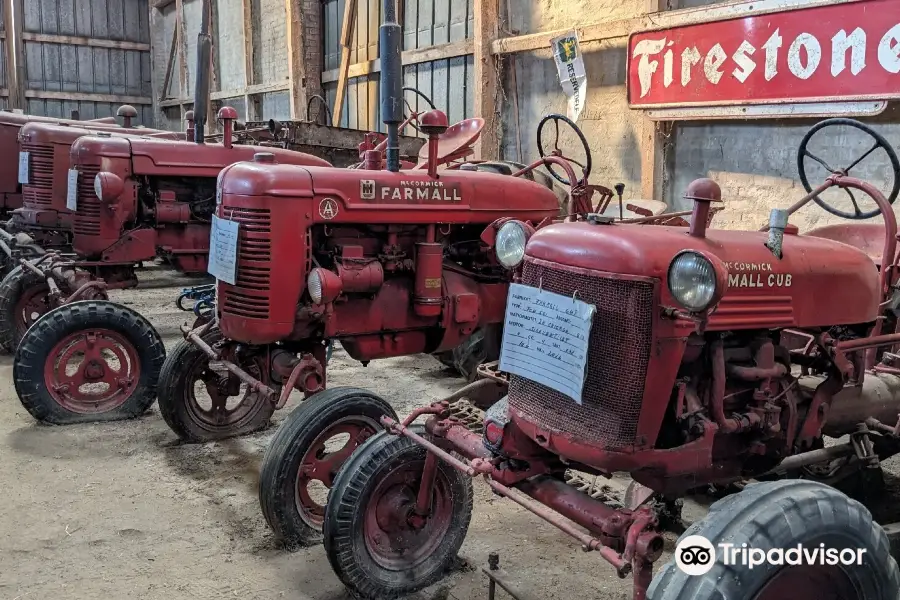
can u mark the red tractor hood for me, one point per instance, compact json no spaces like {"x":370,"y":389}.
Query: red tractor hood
{"x":361,"y":196}
{"x":818,"y":282}
{"x":50,"y":133}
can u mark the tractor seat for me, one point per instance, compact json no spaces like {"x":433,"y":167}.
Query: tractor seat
{"x":455,"y":143}
{"x":868,"y":237}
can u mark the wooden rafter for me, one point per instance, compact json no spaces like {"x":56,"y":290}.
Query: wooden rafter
{"x":348,"y":27}
{"x":486,"y":77}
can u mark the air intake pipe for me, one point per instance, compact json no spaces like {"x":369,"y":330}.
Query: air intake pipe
{"x":390,"y":46}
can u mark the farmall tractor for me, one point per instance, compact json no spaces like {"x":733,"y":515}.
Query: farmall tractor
{"x":668,"y":354}
{"x":18,"y":242}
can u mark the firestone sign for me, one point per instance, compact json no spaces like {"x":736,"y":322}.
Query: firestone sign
{"x":838,"y":52}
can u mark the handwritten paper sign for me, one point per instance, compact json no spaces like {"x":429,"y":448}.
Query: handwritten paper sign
{"x":545,"y":338}
{"x":72,"y":190}
{"x":24,"y":163}
{"x":223,"y":247}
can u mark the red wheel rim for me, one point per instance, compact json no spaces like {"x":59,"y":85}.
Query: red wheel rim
{"x":211,"y":388}
{"x":322,"y":461}
{"x":31,"y":305}
{"x":395,"y":538}
{"x":809,"y":582}
{"x":92,"y":371}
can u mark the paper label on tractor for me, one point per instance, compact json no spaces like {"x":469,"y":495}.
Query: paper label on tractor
{"x":572,"y":76}
{"x":72,"y":190}
{"x":24,"y":163}
{"x":223,"y":247}
{"x":545,"y":338}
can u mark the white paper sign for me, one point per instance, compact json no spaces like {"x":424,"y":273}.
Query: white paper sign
{"x":72,"y":191}
{"x":24,"y":163}
{"x":223,"y":247}
{"x":570,"y":66}
{"x":545,"y":338}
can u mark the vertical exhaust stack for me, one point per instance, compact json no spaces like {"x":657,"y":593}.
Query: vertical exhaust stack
{"x":390,"y":47}
{"x":201,"y":89}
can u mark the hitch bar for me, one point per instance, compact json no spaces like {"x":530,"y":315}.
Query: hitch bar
{"x":255,"y":384}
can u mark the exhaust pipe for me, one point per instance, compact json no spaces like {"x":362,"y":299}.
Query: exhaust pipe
{"x":201,"y":90}
{"x":390,"y":46}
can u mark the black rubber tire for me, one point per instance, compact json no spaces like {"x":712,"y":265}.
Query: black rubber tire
{"x":782,"y":514}
{"x":40,"y":339}
{"x":172,"y":401}
{"x":344,"y":515}
{"x":281,"y":463}
{"x":11,"y":289}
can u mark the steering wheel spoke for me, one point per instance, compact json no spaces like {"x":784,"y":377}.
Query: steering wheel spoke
{"x":880,"y":142}
{"x":586,"y":167}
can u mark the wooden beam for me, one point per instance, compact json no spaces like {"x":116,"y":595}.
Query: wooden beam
{"x":182,"y":49}
{"x":619,"y":28}
{"x":11,"y":78}
{"x":81,"y":97}
{"x":409,"y":57}
{"x":296,"y":66}
{"x":486,"y":78}
{"x":76,"y":40}
{"x":262,"y":88}
{"x":161,"y":4}
{"x":247,"y":29}
{"x":347,"y":29}
{"x":170,"y":66}
{"x":18,"y":48}
{"x":654,"y":137}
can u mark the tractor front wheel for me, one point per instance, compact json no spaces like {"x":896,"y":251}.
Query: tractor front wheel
{"x":201,"y":401}
{"x":23,"y":300}
{"x":88,"y":361}
{"x":311,"y":446}
{"x":782,"y":516}
{"x":376,"y":544}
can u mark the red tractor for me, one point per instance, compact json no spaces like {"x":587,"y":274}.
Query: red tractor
{"x":15,"y":244}
{"x":665,"y":353}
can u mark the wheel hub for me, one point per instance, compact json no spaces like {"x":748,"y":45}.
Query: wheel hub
{"x":33,"y":303}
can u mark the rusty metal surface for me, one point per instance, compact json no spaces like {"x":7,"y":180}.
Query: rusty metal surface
{"x":731,"y":65}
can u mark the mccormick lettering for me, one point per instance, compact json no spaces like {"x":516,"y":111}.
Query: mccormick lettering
{"x":846,"y":50}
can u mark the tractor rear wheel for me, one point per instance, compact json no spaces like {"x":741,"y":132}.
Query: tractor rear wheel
{"x":374,"y":542}
{"x":88,"y":361}
{"x":783,"y":515}
{"x":202,"y":402}
{"x":303,"y":459}
{"x":23,"y":300}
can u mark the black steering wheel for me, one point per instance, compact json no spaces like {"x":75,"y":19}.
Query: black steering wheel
{"x":803,"y":152}
{"x":585,"y":168}
{"x":423,"y":97}
{"x":324,"y":103}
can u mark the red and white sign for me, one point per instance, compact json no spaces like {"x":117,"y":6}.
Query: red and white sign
{"x":837,"y":52}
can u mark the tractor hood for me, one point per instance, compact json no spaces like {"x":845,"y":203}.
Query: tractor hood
{"x":60,"y":133}
{"x":818,"y":282}
{"x":363,"y":196}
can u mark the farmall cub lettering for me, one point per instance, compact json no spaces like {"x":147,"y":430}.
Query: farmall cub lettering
{"x":756,"y":275}
{"x":410,"y":191}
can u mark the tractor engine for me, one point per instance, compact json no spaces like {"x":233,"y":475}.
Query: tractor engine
{"x":389,"y":263}
{"x":142,"y":198}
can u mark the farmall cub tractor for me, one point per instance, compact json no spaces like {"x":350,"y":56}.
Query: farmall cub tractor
{"x":133,"y":199}
{"x":669,"y":354}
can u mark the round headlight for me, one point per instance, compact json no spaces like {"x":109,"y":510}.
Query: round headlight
{"x":510,"y":244}
{"x":692,"y":281}
{"x":98,"y":186}
{"x":314,"y":285}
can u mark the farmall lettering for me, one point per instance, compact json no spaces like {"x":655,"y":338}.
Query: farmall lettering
{"x":846,"y":51}
{"x":410,"y":191}
{"x":755,"y":275}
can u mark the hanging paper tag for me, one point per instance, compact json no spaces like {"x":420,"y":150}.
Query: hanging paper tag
{"x":572,"y":76}
{"x":545,"y":338}
{"x":72,"y":190}
{"x":24,"y":163}
{"x":223,"y":247}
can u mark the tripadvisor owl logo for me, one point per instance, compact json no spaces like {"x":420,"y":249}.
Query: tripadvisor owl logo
{"x":695,"y":555}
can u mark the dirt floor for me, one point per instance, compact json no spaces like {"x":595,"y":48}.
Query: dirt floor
{"x":122,"y":510}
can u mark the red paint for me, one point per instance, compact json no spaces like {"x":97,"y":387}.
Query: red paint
{"x":875,"y":18}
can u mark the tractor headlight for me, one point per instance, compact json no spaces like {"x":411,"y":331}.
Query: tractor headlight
{"x":510,"y":244}
{"x":693,"y":281}
{"x":314,"y":285}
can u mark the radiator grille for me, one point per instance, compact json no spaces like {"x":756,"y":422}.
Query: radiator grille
{"x":618,"y":354}
{"x":251,"y":296}
{"x":38,"y":194}
{"x":86,"y":220}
